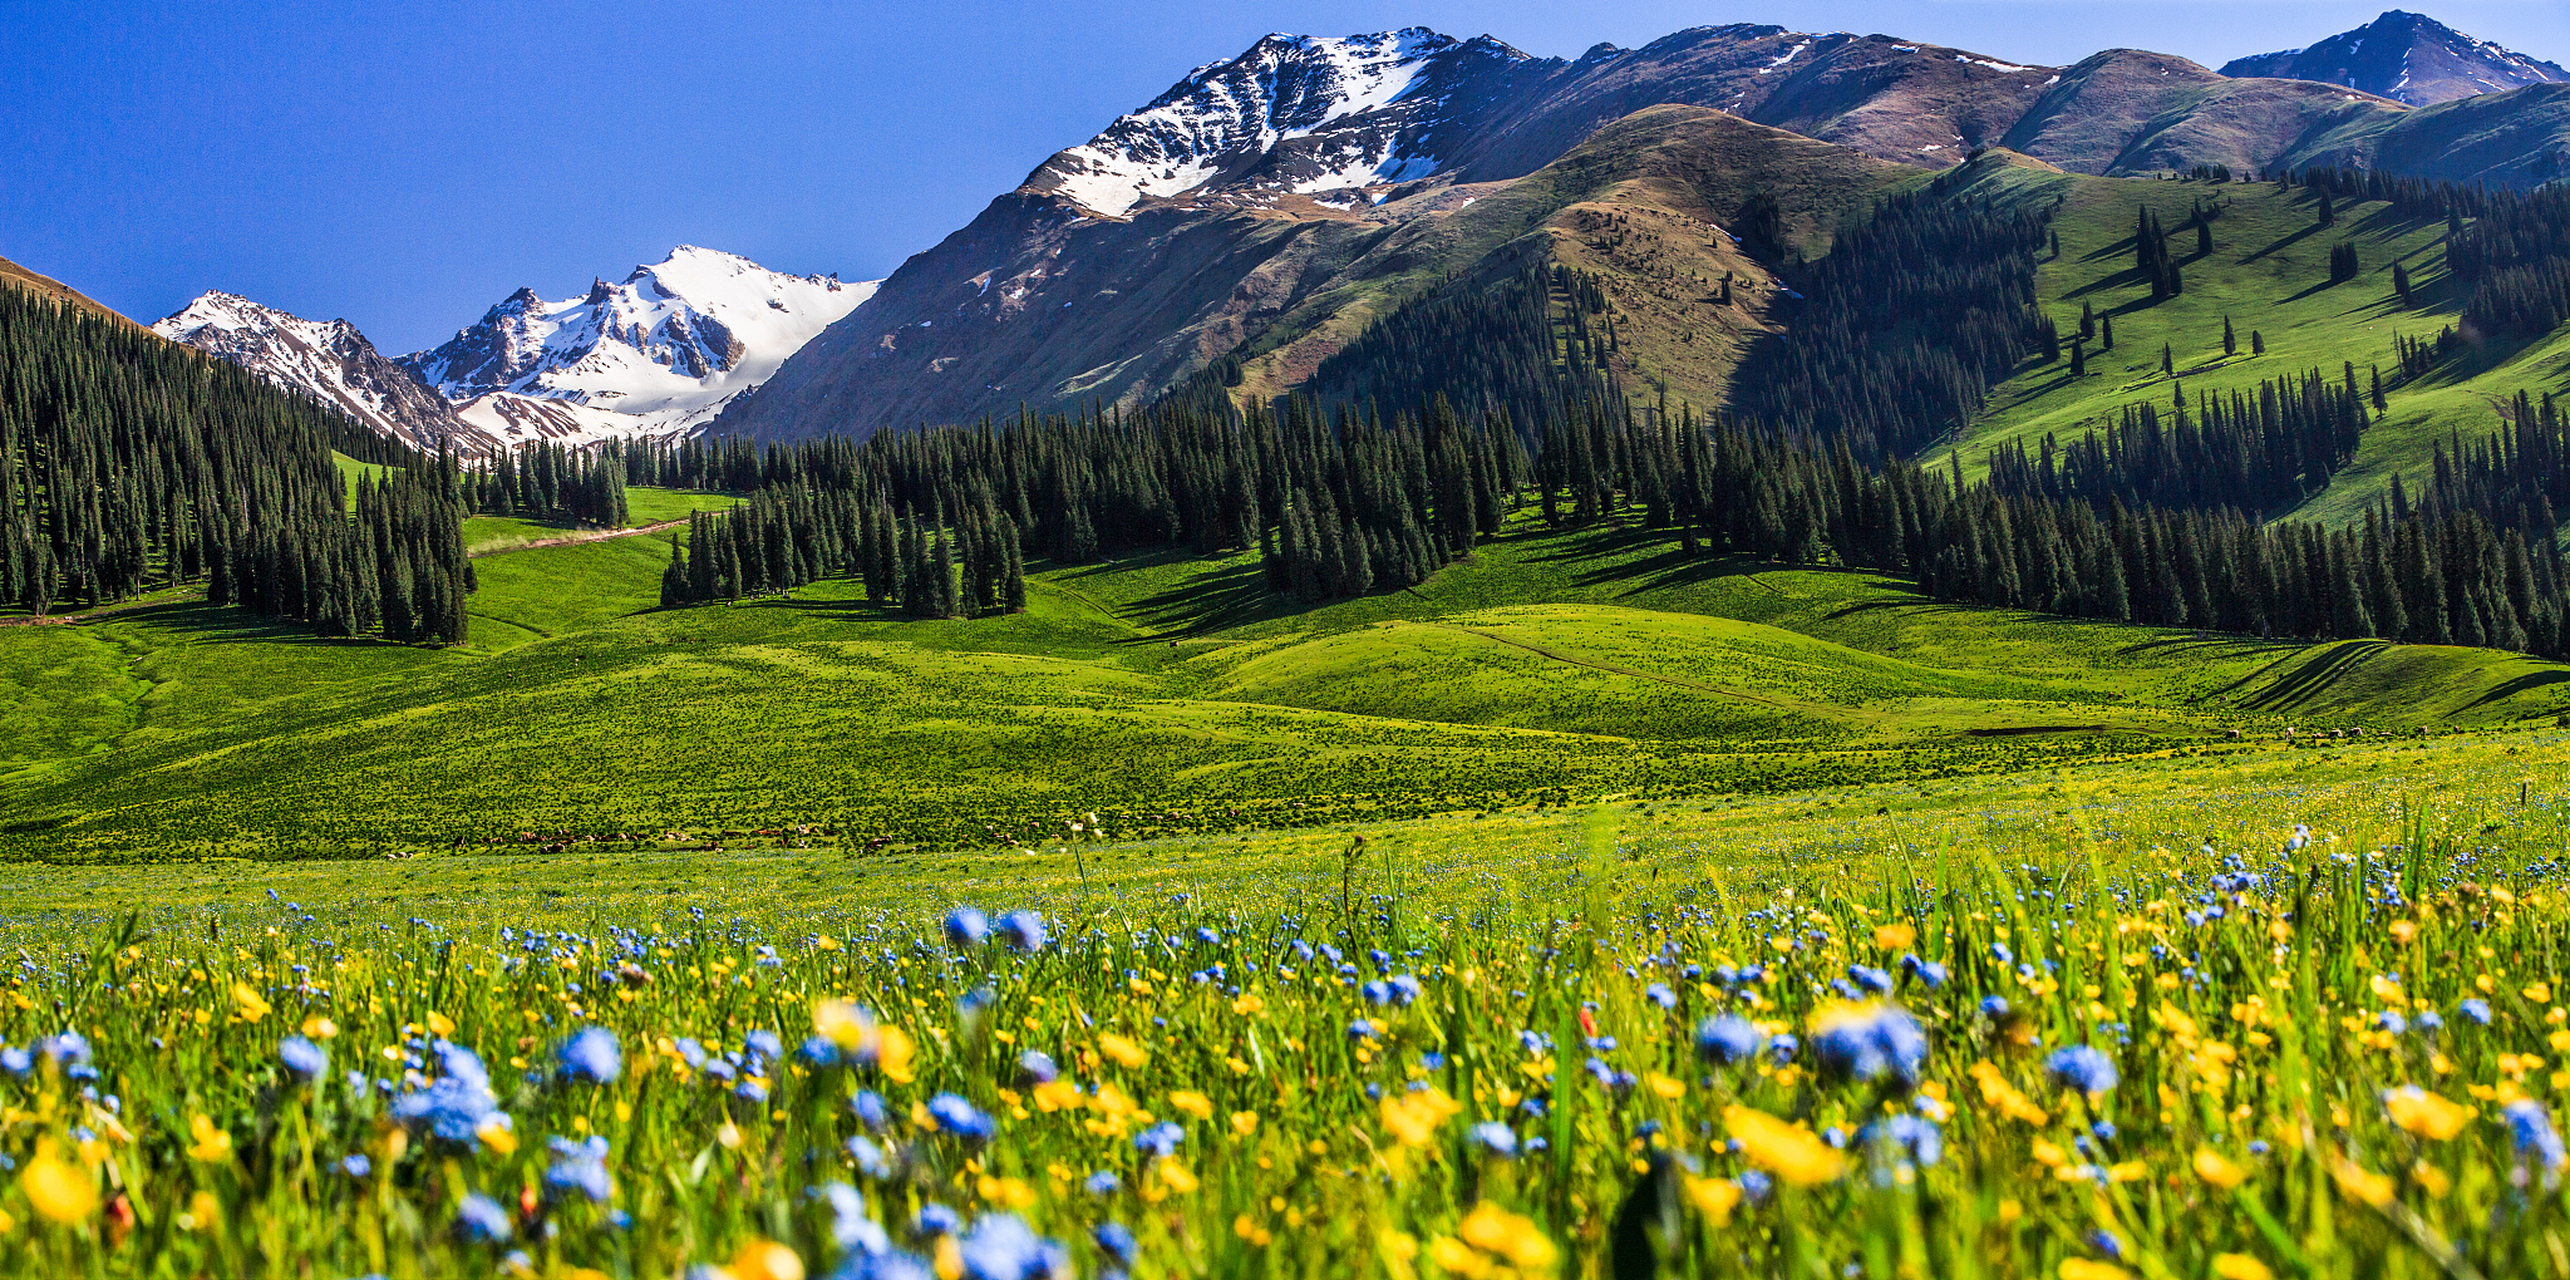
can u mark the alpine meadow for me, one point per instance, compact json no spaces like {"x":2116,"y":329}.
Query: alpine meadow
{"x":1775,"y":654}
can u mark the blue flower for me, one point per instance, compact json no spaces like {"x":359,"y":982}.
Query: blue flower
{"x":356,"y":1166}
{"x":1359,"y":1029}
{"x":456,"y":1104}
{"x":1116,"y":1242}
{"x":1781,"y":1050}
{"x":302,"y":1057}
{"x":2476,"y":1009}
{"x":850,"y":1228}
{"x":1875,"y":981}
{"x":480,"y":1218}
{"x":1002,"y":1247}
{"x":1160,"y":1139}
{"x":591,"y":1054}
{"x":1727,"y":1038}
{"x":2531,"y":1127}
{"x":956,"y":1116}
{"x":933,"y":1220}
{"x":871,"y":1161}
{"x":1038,"y":1066}
{"x":1103,"y":1183}
{"x":581,"y":1167}
{"x":868,"y":1106}
{"x":2083,"y":1068}
{"x":1994,"y":1007}
{"x":1496,"y":1138}
{"x":966,"y":927}
{"x":1867,"y":1042}
{"x":1024,"y":930}
{"x":1914,"y":1139}
{"x":762,"y":1046}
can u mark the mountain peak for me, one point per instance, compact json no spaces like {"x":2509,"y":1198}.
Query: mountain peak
{"x":2407,"y":57}
{"x":328,"y":360}
{"x":1292,"y":114}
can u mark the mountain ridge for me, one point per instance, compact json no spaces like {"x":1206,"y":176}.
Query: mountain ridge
{"x":2407,"y":57}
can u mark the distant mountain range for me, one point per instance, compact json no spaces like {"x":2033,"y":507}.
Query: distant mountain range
{"x":2406,"y":57}
{"x":657,"y":354}
{"x":1269,"y":207}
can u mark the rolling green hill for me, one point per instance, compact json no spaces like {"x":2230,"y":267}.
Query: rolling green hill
{"x":1164,"y":694}
{"x":2268,"y":274}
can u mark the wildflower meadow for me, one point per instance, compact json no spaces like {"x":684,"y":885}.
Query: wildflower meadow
{"x":2273,"y":1050}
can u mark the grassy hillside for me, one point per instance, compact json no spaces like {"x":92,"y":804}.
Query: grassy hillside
{"x":1164,"y":694}
{"x":2268,"y":273}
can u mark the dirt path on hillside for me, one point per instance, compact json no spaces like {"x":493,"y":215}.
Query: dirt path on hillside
{"x":69,"y":619}
{"x":575,"y":539}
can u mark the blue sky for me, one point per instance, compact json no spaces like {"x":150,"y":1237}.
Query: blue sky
{"x":407,"y":164}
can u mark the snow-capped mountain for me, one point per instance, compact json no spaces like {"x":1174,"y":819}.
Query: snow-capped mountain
{"x":2407,"y":57}
{"x":656,"y":354}
{"x":326,"y":359}
{"x":1306,"y":115}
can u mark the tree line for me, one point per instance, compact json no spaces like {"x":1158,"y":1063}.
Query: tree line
{"x":2253,"y":451}
{"x":129,"y":463}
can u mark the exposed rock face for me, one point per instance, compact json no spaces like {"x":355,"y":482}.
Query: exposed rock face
{"x":2406,"y":57}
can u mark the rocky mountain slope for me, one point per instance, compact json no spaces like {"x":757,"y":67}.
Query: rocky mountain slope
{"x":2406,"y":57}
{"x":1273,"y":203}
{"x":16,"y":276}
{"x":658,"y":353}
{"x":328,"y":360}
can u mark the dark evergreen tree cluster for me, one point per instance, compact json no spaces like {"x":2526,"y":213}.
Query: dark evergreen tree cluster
{"x":1482,"y":346}
{"x":2516,"y":477}
{"x":129,"y":463}
{"x":1903,"y":328}
{"x":552,"y":481}
{"x":2252,"y":451}
{"x":2153,"y":260}
{"x":2430,"y":573}
{"x":2343,"y":265}
{"x":940,"y":521}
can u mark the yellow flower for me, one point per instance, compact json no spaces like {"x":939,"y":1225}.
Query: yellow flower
{"x":1057,"y":1095}
{"x":845,"y":1025}
{"x":2370,"y":1188}
{"x":2210,"y":1166}
{"x":58,"y":1190}
{"x":1455,"y":1258}
{"x":212,"y":1145}
{"x":495,"y":1134}
{"x":247,"y":1004}
{"x":439,"y":1024}
{"x":1715,"y":1198}
{"x":2004,"y":1097}
{"x":2240,"y":1266}
{"x":1498,"y":1232}
{"x":1666,"y":1087}
{"x":317,"y":1027}
{"x":1244,"y":1123}
{"x":1173,"y":1171}
{"x":1895,"y":937}
{"x":2426,"y":1114}
{"x":2083,"y":1269}
{"x":1124,"y":1052}
{"x":1249,"y":1005}
{"x":896,"y":1055}
{"x":767,"y":1260}
{"x":1193,"y":1103}
{"x":1414,"y":1117}
{"x":1781,"y":1149}
{"x":1396,"y":1249}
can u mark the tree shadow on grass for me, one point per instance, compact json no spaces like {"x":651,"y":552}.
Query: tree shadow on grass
{"x":2308,"y":678}
{"x":1210,"y":603}
{"x":230,"y":624}
{"x":2527,"y":683}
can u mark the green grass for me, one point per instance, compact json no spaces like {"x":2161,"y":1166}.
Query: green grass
{"x":1322,"y":1129}
{"x":2268,"y":272}
{"x":484,"y":535}
{"x":350,"y":469}
{"x":1167,"y":695}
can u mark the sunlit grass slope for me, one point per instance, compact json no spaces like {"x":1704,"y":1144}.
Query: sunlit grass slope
{"x":2268,"y":274}
{"x":1166,"y":694}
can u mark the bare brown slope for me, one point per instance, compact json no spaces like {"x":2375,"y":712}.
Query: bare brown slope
{"x":2130,"y":111}
{"x":1035,"y":304}
{"x":13,"y":274}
